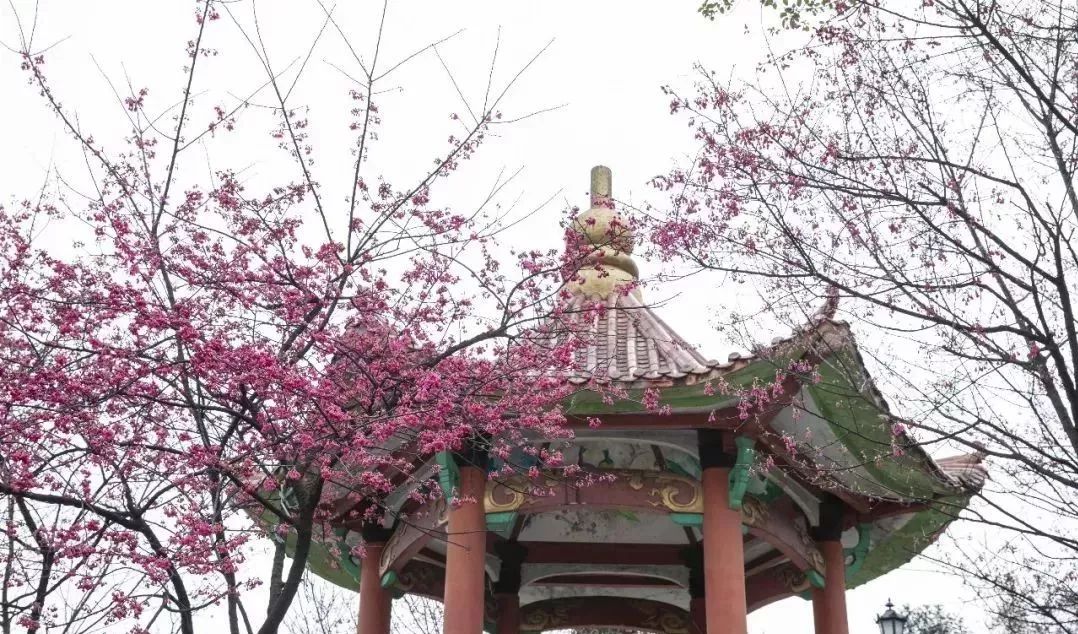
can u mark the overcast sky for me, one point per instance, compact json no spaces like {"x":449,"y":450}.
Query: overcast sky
{"x":604,"y":67}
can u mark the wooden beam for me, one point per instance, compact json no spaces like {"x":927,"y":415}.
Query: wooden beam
{"x":608,"y":580}
{"x":603,"y":553}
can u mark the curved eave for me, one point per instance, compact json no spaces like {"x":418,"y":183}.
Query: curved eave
{"x":321,"y":562}
{"x":845,"y":397}
{"x":860,"y":418}
{"x":330,"y":562}
{"x":911,"y":539}
{"x":687,"y":387}
{"x":689,"y":391}
{"x":895,"y":463}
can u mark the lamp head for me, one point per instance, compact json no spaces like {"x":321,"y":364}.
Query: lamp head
{"x":891,"y":622}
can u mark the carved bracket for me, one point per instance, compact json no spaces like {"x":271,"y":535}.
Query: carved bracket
{"x":410,"y":537}
{"x":739,"y":474}
{"x":421,"y":579}
{"x":448,"y":473}
{"x":501,"y":522}
{"x":860,"y":551}
{"x":348,"y":564}
{"x":692,"y":520}
{"x":782,"y":525}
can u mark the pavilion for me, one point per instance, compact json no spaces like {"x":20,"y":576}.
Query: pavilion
{"x":709,"y":517}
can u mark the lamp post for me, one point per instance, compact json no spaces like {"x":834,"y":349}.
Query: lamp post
{"x":891,"y":622}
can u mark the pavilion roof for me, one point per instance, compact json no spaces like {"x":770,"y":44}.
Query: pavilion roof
{"x":626,"y":341}
{"x":966,"y":470}
{"x":628,"y":345}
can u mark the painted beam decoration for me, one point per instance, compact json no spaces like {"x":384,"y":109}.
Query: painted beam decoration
{"x":628,"y":489}
{"x":579,"y":612}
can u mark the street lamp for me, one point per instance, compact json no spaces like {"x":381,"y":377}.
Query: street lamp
{"x":891,"y":622}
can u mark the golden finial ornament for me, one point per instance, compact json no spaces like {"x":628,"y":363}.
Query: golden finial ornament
{"x":608,"y":266}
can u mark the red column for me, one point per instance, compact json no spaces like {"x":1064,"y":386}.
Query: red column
{"x":507,"y":589}
{"x":465,"y":558}
{"x":819,"y":612}
{"x":375,"y":602}
{"x":829,"y":602}
{"x":693,"y":556}
{"x":508,"y":613}
{"x":724,"y":557}
{"x":698,"y":614}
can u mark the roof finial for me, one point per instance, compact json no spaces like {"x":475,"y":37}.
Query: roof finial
{"x":602,"y":192}
{"x":608,"y":264}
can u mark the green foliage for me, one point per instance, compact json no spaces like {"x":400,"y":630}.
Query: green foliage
{"x":712,"y":9}
{"x":791,"y":12}
{"x":933,"y":619}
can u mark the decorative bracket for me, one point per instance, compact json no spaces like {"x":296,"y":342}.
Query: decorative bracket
{"x":815,"y":578}
{"x":770,"y":493}
{"x":448,"y":473}
{"x":351,"y":566}
{"x":860,"y":551}
{"x":739,"y":474}
{"x":389,"y":579}
{"x":696,"y":520}
{"x":500,"y":522}
{"x":391,"y":582}
{"x":688,"y":519}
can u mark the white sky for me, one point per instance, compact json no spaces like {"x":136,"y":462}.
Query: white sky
{"x":606,"y":64}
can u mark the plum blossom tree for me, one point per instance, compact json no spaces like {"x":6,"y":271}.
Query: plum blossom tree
{"x":212,"y":349}
{"x":918,"y":160}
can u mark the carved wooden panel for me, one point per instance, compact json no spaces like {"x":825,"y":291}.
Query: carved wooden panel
{"x":576,"y":612}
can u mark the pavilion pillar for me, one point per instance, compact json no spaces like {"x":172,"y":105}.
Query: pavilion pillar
{"x":375,"y":602}
{"x":820,"y":618}
{"x":507,"y":588}
{"x":694,"y":561}
{"x":466,"y":550}
{"x":698,"y":614}
{"x":829,"y":602}
{"x":508,"y":613}
{"x":724,"y":553}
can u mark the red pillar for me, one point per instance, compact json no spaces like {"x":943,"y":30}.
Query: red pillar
{"x":465,"y":559}
{"x":698,"y":614}
{"x":819,"y":612}
{"x":508,"y":613}
{"x":375,"y":602}
{"x":724,"y":556}
{"x":507,"y":589}
{"x":829,"y":602}
{"x":694,"y":561}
